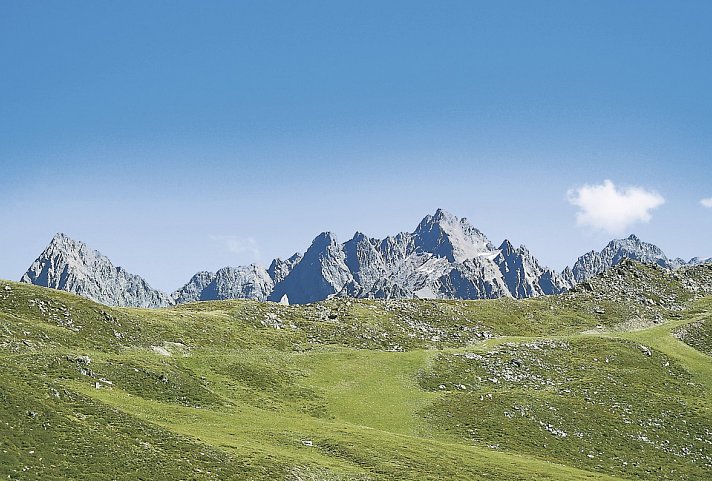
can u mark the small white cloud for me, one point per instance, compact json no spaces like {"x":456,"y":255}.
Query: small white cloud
{"x":706,"y":202}
{"x":613,"y":209}
{"x":239,"y":245}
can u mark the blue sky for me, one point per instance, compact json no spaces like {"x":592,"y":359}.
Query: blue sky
{"x":181,"y":136}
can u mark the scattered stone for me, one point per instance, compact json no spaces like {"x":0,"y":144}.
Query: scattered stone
{"x":645,"y":350}
{"x":161,"y":351}
{"x":85,"y":360}
{"x":271,"y":320}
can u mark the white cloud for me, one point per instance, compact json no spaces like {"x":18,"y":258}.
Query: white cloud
{"x":613,"y":209}
{"x":239,"y":245}
{"x":706,"y":202}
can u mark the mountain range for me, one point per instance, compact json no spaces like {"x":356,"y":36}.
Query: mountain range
{"x":444,"y":257}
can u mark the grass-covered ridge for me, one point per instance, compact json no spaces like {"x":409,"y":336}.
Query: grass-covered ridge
{"x":589,"y":385}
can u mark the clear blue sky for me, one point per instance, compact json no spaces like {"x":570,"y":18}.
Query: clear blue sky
{"x":180,"y":136}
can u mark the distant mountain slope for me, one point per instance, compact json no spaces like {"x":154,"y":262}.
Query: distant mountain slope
{"x":246,"y":282}
{"x":71,"y":266}
{"x":592,"y":263}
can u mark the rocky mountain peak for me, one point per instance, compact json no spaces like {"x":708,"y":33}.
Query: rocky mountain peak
{"x":322,"y":272}
{"x":323,"y":240}
{"x":61,"y":237}
{"x":444,"y":235}
{"x":244,"y":282}
{"x":524,"y":276}
{"x":359,"y":237}
{"x":72,"y":266}
{"x":279,"y":269}
{"x":614,"y":252}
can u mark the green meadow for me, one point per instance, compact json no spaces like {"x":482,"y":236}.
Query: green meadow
{"x":582,"y":386}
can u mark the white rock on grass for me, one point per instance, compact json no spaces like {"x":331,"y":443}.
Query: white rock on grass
{"x":162,"y":351}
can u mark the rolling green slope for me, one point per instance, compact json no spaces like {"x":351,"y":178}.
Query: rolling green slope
{"x":585,"y":386}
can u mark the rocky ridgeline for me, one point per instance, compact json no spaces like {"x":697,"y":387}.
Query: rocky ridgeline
{"x":443,"y":258}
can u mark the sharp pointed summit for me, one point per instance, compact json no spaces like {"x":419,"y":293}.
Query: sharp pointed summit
{"x":72,"y":266}
{"x":444,"y":235}
{"x":322,"y":272}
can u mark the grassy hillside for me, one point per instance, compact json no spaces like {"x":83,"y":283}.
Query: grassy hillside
{"x":613,"y":381}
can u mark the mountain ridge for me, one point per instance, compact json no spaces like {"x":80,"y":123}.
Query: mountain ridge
{"x":444,"y":257}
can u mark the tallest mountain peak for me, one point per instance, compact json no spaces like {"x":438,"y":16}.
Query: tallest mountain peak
{"x":442,"y":216}
{"x":445,"y":235}
{"x":62,"y":238}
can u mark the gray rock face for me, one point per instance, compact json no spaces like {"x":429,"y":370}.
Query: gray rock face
{"x":245,"y":282}
{"x":698,"y":260}
{"x":475,"y":278}
{"x":523,"y":275}
{"x":363,"y":259}
{"x":279,"y":269}
{"x":445,"y":257}
{"x":71,"y":266}
{"x":592,"y":263}
{"x":444,"y":235}
{"x":322,"y":272}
